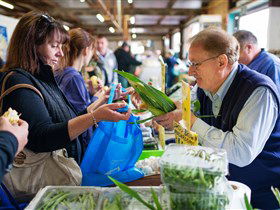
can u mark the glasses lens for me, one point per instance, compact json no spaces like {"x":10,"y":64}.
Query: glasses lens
{"x":189,"y":64}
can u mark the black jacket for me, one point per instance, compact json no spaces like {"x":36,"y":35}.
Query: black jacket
{"x":48,"y":118}
{"x":124,"y":60}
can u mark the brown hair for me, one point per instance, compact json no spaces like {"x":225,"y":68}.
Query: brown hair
{"x":216,"y":41}
{"x":32,"y":30}
{"x":79,"y":40}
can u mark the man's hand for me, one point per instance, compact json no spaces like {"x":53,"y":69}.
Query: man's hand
{"x":167,"y":119}
{"x":20,"y":130}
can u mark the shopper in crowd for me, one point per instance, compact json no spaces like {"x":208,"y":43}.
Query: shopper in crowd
{"x":12,"y":140}
{"x":124,"y":60}
{"x":33,"y":53}
{"x":171,"y":62}
{"x":77,"y":53}
{"x":245,"y":107}
{"x":108,"y":59}
{"x":257,"y":58}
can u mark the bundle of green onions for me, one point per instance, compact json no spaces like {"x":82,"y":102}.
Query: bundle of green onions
{"x":155,"y":101}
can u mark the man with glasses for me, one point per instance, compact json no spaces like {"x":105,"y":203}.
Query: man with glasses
{"x":243,"y":106}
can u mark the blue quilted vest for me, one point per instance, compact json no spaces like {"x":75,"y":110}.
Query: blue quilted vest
{"x":264,"y":171}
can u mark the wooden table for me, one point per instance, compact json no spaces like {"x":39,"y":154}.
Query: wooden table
{"x":153,"y":180}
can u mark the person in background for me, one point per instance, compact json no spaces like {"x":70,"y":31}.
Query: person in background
{"x":34,"y":52}
{"x":171,"y":61}
{"x":124,"y":60}
{"x":77,"y":53}
{"x":108,"y":59}
{"x":13,"y":138}
{"x":257,"y":58}
{"x":244,"y":108}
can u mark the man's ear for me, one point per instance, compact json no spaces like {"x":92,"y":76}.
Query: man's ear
{"x":249,"y":48}
{"x":223,"y":61}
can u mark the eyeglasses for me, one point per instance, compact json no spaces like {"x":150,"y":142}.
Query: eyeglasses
{"x":196,"y":65}
{"x":47,"y":18}
{"x":44,"y":21}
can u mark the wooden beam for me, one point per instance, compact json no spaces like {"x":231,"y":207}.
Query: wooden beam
{"x":126,"y":36}
{"x":169,"y":6}
{"x":157,"y":26}
{"x":156,"y":11}
{"x":105,"y":12}
{"x":136,"y":11}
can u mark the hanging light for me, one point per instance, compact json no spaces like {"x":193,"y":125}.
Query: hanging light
{"x":100,"y":18}
{"x":133,"y":30}
{"x":112,"y":30}
{"x":130,"y":1}
{"x":5,"y":4}
{"x":82,"y":1}
{"x":132,"y":20}
{"x":134,"y":36}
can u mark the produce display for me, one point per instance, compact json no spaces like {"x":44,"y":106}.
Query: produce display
{"x":198,"y":201}
{"x":193,"y":166}
{"x":149,"y":166}
{"x":195,"y":177}
{"x":116,"y":199}
{"x":68,"y":200}
{"x":154,"y":100}
{"x":95,"y":198}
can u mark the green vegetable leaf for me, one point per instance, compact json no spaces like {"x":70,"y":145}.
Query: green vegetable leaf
{"x":155,"y":197}
{"x":142,"y":121}
{"x":276,"y":194}
{"x":131,"y":192}
{"x":196,"y":105}
{"x":136,"y":111}
{"x":247,"y":203}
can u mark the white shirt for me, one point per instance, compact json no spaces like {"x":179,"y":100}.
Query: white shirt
{"x":254,"y":125}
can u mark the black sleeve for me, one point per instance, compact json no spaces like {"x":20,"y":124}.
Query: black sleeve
{"x":133,"y":61}
{"x":44,"y":135}
{"x":8,"y":149}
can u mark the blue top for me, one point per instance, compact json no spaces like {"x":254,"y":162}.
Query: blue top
{"x":248,"y":129}
{"x":73,"y":86}
{"x":268,"y":64}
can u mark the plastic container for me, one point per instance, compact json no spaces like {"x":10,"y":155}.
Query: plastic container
{"x":114,"y":198}
{"x":198,"y":201}
{"x":193,"y":167}
{"x":41,"y":196}
{"x":148,"y":153}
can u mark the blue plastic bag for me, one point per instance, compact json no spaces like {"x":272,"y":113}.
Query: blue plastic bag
{"x":113,"y":151}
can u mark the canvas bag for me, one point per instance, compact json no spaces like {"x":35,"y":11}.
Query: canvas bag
{"x":113,"y":151}
{"x":33,"y":171}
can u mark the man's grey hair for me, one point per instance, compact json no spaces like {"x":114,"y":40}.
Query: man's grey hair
{"x":216,"y":42}
{"x":245,"y":37}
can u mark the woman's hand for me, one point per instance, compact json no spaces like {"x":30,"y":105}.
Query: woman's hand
{"x":102,"y":99}
{"x":108,"y":112}
{"x":94,"y":90}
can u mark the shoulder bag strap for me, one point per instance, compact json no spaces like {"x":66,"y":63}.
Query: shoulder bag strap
{"x":11,"y":89}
